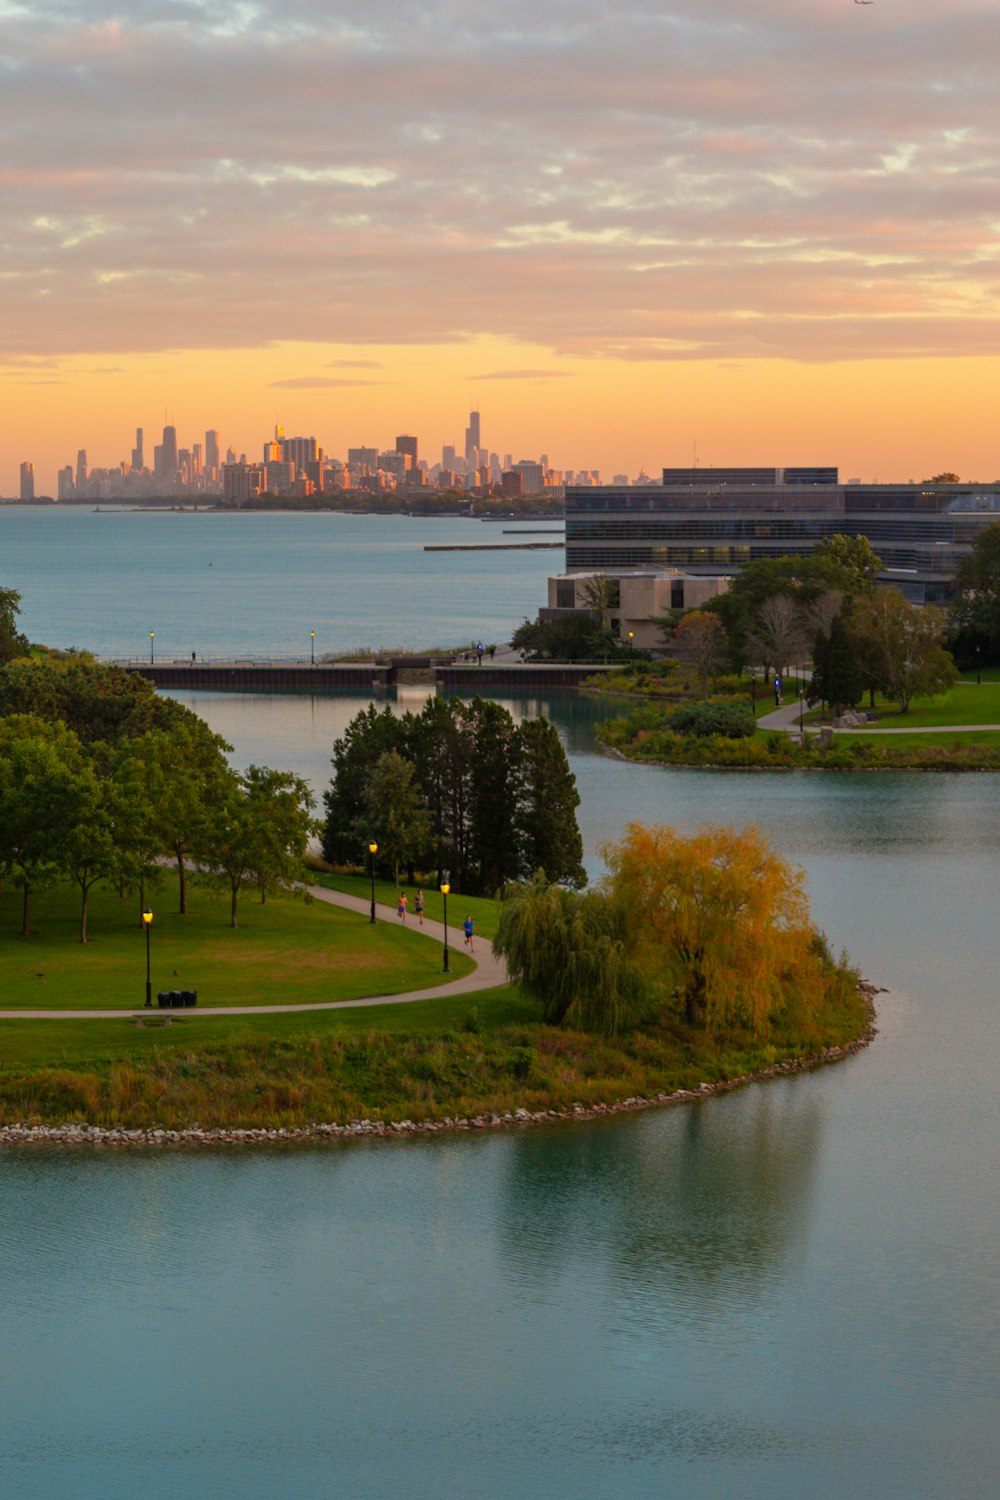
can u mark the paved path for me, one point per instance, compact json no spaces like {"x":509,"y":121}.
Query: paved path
{"x":488,"y":973}
{"x":787,"y":718}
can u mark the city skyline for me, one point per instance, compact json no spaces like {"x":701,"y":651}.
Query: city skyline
{"x":749,"y":230}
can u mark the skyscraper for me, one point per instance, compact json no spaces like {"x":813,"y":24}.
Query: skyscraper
{"x":212,"y":453}
{"x":138,"y":458}
{"x":27,"y":482}
{"x":81,"y":468}
{"x":408,"y":447}
{"x":472,"y":439}
{"x":169,"y":451}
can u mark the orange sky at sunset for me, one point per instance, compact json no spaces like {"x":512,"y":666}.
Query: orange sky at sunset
{"x":773,"y":230}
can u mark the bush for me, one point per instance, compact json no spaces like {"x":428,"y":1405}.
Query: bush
{"x":733,"y":721}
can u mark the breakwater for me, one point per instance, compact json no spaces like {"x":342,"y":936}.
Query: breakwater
{"x":264,"y":676}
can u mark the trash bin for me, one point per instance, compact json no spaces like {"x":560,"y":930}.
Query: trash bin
{"x":190,"y":997}
{"x":163,"y":999}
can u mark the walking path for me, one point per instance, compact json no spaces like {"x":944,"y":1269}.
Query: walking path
{"x":787,"y":718}
{"x":488,"y":973}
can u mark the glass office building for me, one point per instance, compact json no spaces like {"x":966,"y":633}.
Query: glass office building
{"x":712,"y":521}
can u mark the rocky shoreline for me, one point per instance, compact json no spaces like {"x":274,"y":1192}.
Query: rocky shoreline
{"x":77,"y":1134}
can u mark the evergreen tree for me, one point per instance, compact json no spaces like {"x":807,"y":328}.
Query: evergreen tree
{"x":837,"y":677}
{"x":550,"y":835}
{"x":498,"y":752}
{"x":368,"y":736}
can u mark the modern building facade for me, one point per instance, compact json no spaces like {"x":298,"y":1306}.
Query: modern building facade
{"x":712,"y":521}
{"x":639,"y":600}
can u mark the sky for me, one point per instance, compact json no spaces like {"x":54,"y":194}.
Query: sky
{"x":763,"y":232}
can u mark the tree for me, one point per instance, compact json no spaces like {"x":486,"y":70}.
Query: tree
{"x":716,"y":919}
{"x":570,"y":951}
{"x":496,"y":788}
{"x":87,"y":853}
{"x":837,"y":677}
{"x":12,"y":643}
{"x":190,"y":777}
{"x":40,"y":790}
{"x":904,"y":642}
{"x":700,"y":639}
{"x":946,"y":478}
{"x":778,"y":636}
{"x":601,"y":595}
{"x":394,"y":812}
{"x":849,"y":563}
{"x":567,"y":639}
{"x":368,"y":736}
{"x":96,"y":702}
{"x":975,"y":613}
{"x":546,"y":816}
{"x":279,"y":808}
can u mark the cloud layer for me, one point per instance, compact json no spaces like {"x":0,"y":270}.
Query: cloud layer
{"x":662,"y":179}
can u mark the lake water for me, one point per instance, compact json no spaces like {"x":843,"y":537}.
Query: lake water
{"x":791,"y":1291}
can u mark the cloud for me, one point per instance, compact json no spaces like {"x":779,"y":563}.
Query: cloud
{"x":524,"y":375}
{"x":319,"y":382}
{"x":672,"y":180}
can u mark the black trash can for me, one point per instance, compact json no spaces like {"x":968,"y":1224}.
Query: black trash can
{"x":163,"y":999}
{"x":190,"y":997}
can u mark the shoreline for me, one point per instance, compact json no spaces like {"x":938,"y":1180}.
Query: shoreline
{"x":77,"y":1134}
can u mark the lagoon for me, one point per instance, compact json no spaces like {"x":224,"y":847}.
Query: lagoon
{"x":788,"y":1291}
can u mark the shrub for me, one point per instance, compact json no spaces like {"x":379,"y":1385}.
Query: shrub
{"x":734,"y":721}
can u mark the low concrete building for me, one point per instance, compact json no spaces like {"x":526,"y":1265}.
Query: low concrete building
{"x":637,"y":600}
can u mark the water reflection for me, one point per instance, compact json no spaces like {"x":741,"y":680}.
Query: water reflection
{"x":693,"y":1211}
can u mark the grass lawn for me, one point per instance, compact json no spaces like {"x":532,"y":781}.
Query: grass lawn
{"x":954,"y":738}
{"x":287,"y":951}
{"x":485,"y":913}
{"x":966,"y":703}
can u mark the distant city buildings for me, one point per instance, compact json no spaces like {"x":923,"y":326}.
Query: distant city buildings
{"x":299,"y":467}
{"x":27,"y":482}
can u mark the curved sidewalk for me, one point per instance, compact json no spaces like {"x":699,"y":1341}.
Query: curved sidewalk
{"x":488,"y":973}
{"x":787,"y":718}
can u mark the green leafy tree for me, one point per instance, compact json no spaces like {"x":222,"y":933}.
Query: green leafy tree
{"x":87,"y":852}
{"x":192,"y":781}
{"x":394,"y":812}
{"x":549,"y":832}
{"x":40,"y":790}
{"x":570,"y":951}
{"x":495,"y":850}
{"x":904,"y":644}
{"x":279,"y":808}
{"x":850,"y":564}
{"x":12,"y":643}
{"x":975,"y":613}
{"x":368,"y":736}
{"x":96,"y":702}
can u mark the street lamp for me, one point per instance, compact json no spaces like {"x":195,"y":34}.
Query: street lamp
{"x":147,"y":922}
{"x":631,"y":639}
{"x":372,"y":851}
{"x":151,"y":634}
{"x":445,"y":888}
{"x":312,"y":648}
{"x":802,"y":696}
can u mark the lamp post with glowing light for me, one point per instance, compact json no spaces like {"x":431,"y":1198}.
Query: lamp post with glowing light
{"x":631,"y":642}
{"x":312,"y":648}
{"x":147,"y":922}
{"x":445,"y":888}
{"x":151,"y":634}
{"x":372,"y":851}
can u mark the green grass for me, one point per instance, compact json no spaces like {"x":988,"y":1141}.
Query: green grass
{"x":965,"y":703}
{"x":432,"y":1060}
{"x":484,"y":912}
{"x":287,"y":951}
{"x":954,"y":738}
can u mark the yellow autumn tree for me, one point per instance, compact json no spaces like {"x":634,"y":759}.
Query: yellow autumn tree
{"x":718,"y":919}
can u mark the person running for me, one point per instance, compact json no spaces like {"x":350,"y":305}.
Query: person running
{"x":401,"y":907}
{"x":469,"y":933}
{"x":418,"y":906}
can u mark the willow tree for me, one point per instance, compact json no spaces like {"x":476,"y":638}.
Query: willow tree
{"x":571,"y":951}
{"x":717,"y":919}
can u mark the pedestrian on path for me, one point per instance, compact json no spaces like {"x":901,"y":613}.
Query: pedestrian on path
{"x":777,"y":691}
{"x":418,"y":906}
{"x":401,"y":907}
{"x":469,"y":933}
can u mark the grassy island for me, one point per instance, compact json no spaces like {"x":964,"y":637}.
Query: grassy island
{"x":454,"y":1057}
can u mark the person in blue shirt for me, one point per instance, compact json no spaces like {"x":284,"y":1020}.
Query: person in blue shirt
{"x":469,"y":933}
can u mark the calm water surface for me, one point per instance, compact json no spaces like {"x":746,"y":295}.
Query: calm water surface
{"x":791,"y":1291}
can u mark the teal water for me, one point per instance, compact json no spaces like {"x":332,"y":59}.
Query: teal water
{"x":256,"y":584}
{"x":792,"y":1291}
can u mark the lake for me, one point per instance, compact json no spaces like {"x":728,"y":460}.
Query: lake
{"x":788,"y":1291}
